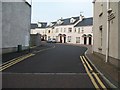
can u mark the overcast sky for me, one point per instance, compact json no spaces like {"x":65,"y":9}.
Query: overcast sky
{"x":52,"y":10}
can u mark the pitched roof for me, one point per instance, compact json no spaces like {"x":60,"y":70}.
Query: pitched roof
{"x":67,"y":21}
{"x":34,"y":25}
{"x":43,"y":24}
{"x":52,"y":25}
{"x":85,"y":22}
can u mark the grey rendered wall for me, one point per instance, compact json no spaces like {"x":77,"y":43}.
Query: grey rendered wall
{"x":113,"y":32}
{"x":98,"y":21}
{"x":15,"y":24}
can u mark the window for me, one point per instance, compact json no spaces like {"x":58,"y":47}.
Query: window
{"x":69,"y":38}
{"x":78,"y":30}
{"x":59,"y":22}
{"x":45,"y":31}
{"x":77,"y":39}
{"x":48,"y":37}
{"x":69,"y":30}
{"x":61,"y":29}
{"x":72,"y":20}
{"x":52,"y":31}
{"x":48,"y":31}
{"x":75,"y":30}
{"x":82,"y":30}
{"x":39,"y":25}
{"x":56,"y":30}
{"x":64,"y":29}
{"x":100,"y":28}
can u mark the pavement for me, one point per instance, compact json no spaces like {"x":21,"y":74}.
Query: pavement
{"x":108,"y":71}
{"x":9,"y":56}
{"x":59,"y":67}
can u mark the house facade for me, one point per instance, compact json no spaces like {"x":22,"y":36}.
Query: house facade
{"x":40,"y":28}
{"x":70,"y":30}
{"x":106,"y":30}
{"x":16,"y":18}
{"x":85,"y":31}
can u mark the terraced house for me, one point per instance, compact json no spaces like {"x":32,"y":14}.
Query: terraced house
{"x":76,"y":30}
{"x":40,"y":28}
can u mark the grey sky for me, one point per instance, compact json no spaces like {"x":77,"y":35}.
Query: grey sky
{"x":50,"y":10}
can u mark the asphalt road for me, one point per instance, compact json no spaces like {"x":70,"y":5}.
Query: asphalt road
{"x":57,"y":67}
{"x":61,"y":59}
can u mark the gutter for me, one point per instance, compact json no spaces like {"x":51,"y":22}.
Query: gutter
{"x":27,"y":3}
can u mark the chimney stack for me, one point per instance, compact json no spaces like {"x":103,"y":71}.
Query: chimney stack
{"x":81,"y":17}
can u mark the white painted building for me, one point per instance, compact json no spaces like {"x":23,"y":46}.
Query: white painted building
{"x":84,"y":32}
{"x":40,"y":28}
{"x":106,"y":29}
{"x":70,"y":30}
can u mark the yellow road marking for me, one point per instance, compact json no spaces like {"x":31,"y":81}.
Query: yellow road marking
{"x":96,"y":76}
{"x":88,"y":64}
{"x":14,"y":62}
{"x":13,"y":59}
{"x":92,"y":79}
{"x":18,"y":59}
{"x":100,"y":82}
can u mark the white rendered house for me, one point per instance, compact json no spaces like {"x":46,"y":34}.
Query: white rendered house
{"x":76,"y":30}
{"x":84,"y":31}
{"x":40,"y":28}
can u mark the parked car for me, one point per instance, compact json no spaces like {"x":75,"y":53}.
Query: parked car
{"x":51,"y":40}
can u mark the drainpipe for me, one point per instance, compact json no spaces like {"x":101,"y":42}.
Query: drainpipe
{"x":30,"y":25}
{"x":107,"y":34}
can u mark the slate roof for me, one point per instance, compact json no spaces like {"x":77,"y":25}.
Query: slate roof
{"x":34,"y":25}
{"x":67,"y":21}
{"x":51,"y":26}
{"x":44,"y":24}
{"x":85,"y":22}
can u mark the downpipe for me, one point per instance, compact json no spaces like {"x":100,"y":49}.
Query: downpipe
{"x":107,"y":34}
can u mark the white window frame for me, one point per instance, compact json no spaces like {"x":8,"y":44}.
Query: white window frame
{"x":69,"y":39}
{"x":69,"y":30}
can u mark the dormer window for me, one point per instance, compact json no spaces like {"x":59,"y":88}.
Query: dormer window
{"x":39,"y":24}
{"x":51,"y":24}
{"x":59,"y":22}
{"x":72,"y":20}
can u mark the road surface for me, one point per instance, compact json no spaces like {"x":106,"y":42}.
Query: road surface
{"x":59,"y":66}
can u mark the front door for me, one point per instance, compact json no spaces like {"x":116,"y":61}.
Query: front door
{"x":60,"y":38}
{"x":85,"y":40}
{"x":64,"y":39}
{"x":90,"y":40}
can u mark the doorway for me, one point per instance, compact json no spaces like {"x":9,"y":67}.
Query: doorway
{"x":85,"y":40}
{"x":90,"y":40}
